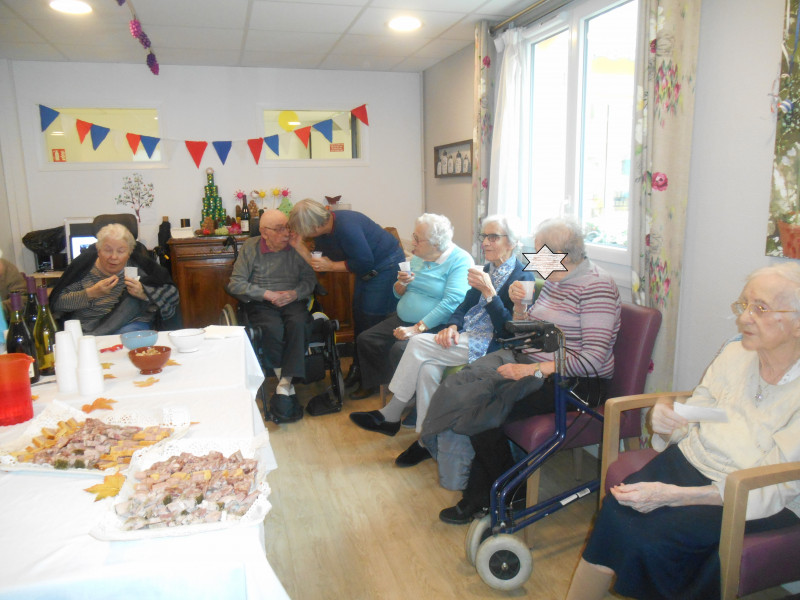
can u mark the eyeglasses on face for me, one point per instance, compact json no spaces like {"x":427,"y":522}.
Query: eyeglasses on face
{"x":418,"y":239}
{"x":756,"y":309}
{"x":281,"y":229}
{"x":492,"y":237}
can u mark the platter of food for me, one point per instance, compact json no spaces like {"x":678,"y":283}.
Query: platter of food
{"x":63,"y":439}
{"x":190,"y":486}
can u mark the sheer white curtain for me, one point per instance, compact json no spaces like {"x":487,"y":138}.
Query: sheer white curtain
{"x":507,"y":138}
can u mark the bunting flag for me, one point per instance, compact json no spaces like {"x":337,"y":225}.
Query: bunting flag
{"x":255,"y":145}
{"x":303,"y":133}
{"x":47,"y":116}
{"x":273,"y":144}
{"x":149,"y":143}
{"x":83,"y":128}
{"x":196,"y":149}
{"x":360,"y":113}
{"x":133,"y":141}
{"x":326,"y":129}
{"x":99,"y":133}
{"x":222,"y":149}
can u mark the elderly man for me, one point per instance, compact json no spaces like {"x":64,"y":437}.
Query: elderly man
{"x":278,"y":283}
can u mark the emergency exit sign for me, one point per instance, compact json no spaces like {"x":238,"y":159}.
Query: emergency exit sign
{"x":59,"y":155}
{"x":337,"y":147}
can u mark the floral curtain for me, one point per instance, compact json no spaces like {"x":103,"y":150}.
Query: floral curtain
{"x":483,"y":114}
{"x":669,"y":31}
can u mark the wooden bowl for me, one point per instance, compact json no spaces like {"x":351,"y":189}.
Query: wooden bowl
{"x":150,"y":359}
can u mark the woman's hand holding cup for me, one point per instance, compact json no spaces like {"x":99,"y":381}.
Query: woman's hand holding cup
{"x":405,"y":277}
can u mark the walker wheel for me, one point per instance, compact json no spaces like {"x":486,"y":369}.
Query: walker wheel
{"x":478,"y":531}
{"x":504,"y":562}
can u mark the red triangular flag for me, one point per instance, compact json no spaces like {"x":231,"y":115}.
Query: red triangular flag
{"x":133,"y":141}
{"x":256,"y":144}
{"x":196,"y":149}
{"x":83,"y":128}
{"x":360,"y":113}
{"x":303,"y":133}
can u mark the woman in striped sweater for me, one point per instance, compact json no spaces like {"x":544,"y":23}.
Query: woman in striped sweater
{"x":508,"y":385}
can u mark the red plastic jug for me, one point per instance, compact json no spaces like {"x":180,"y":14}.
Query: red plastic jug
{"x":16,"y":405}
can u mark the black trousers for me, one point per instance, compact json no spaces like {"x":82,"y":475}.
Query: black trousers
{"x":379,"y":352}
{"x":286,"y":331}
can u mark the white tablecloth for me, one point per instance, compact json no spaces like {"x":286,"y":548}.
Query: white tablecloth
{"x":45,"y":549}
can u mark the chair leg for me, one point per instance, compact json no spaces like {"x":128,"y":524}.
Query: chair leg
{"x":577,"y":462}
{"x":384,"y":393}
{"x":531,"y":499}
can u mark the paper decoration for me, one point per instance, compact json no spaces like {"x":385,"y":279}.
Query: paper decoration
{"x":196,"y":149}
{"x":222,"y":148}
{"x":98,"y":135}
{"x":303,"y":133}
{"x":272,"y":143}
{"x":255,"y":147}
{"x":83,"y":128}
{"x":149,"y":143}
{"x":133,"y":141}
{"x":360,"y":113}
{"x":47,"y":116}
{"x":326,"y":129}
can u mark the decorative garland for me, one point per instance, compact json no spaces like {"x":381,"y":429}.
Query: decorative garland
{"x":137,"y":32}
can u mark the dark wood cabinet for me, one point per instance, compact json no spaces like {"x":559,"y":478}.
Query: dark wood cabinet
{"x":201,"y":267}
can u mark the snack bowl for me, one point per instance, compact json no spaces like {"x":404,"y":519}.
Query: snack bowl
{"x":138,"y":339}
{"x":187,"y":340}
{"x":150,"y":359}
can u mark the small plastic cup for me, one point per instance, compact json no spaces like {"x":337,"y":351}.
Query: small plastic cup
{"x":131,"y":272}
{"x":530,"y":290}
{"x":405,"y":266}
{"x":316,"y":255}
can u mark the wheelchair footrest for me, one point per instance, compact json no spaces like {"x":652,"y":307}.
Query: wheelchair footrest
{"x":323,"y":404}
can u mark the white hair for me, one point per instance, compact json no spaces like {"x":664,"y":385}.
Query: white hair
{"x":439,"y":230}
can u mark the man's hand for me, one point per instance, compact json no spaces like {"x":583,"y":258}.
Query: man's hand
{"x":102,"y":287}
{"x":280,"y":298}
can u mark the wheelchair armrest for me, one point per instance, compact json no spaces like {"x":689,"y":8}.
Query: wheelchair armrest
{"x":240,"y":299}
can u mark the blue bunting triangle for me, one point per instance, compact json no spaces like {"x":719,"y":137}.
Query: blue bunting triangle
{"x":47,"y":116}
{"x":98,"y":134}
{"x":149,"y":144}
{"x":222,"y":149}
{"x":272,"y":143}
{"x":326,"y":129}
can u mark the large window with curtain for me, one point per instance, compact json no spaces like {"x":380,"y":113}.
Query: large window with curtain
{"x":577,"y":121}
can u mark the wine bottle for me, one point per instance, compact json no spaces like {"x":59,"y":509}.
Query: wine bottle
{"x":19,"y":339}
{"x":245,"y":216}
{"x":31,"y":310}
{"x":44,"y":335}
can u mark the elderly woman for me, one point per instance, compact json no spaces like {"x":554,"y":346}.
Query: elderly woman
{"x":94,"y":290}
{"x":659,"y":531}
{"x":351,"y":242}
{"x":470,"y":332}
{"x":428,"y":294}
{"x":11,"y":280}
{"x":509,"y":385}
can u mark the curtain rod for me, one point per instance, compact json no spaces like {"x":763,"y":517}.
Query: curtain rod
{"x":524,"y":11}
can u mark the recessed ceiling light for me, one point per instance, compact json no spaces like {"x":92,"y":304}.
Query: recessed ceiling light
{"x":56,"y":133}
{"x":72,"y":7}
{"x":405,"y":23}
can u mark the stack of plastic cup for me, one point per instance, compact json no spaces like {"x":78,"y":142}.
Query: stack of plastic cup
{"x":74,"y":328}
{"x":90,"y":372}
{"x":66,"y":363}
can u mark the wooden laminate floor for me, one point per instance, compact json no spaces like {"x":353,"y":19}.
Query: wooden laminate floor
{"x":347,"y":524}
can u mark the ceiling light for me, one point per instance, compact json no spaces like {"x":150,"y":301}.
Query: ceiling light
{"x":56,"y":133}
{"x":72,"y":7}
{"x":405,"y":23}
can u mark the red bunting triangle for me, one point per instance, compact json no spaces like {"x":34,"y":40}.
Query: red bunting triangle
{"x":196,"y":149}
{"x":303,"y":133}
{"x":133,"y":141}
{"x":83,"y":128}
{"x":360,"y":113}
{"x":256,"y":144}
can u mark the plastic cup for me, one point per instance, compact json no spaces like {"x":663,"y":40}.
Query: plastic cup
{"x":90,"y":380}
{"x":66,"y":379}
{"x":88,"y":357}
{"x":65,"y":350}
{"x":530,"y":290}
{"x":74,"y":327}
{"x":405,"y":266}
{"x":132,"y":272}
{"x":316,"y":255}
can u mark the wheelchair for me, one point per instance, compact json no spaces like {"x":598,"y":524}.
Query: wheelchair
{"x":321,"y":354}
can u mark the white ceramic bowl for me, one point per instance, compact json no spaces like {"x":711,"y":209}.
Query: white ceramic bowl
{"x":187,"y":340}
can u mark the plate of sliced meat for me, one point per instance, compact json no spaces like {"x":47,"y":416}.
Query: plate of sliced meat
{"x":190,"y":486}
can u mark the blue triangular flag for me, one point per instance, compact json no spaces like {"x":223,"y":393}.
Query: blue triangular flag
{"x":326,"y":129}
{"x":222,"y":149}
{"x":47,"y":116}
{"x":149,"y":144}
{"x":272,"y":143}
{"x":98,"y":134}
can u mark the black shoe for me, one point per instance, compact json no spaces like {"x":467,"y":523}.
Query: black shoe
{"x":461,"y":514}
{"x":360,"y":393}
{"x":353,"y":376}
{"x":374,"y":421}
{"x":285,"y":409}
{"x":413,"y":455}
{"x":323,"y":404}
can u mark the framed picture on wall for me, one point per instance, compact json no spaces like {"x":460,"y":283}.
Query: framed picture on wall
{"x":453,"y":160}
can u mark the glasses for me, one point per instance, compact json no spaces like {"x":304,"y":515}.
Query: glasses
{"x":757,"y":310}
{"x":492,"y":237}
{"x":281,"y":229}
{"x":417,"y":239}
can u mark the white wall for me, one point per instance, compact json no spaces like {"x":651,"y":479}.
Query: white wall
{"x":448,"y":118}
{"x":208,"y":103}
{"x":729,"y":188}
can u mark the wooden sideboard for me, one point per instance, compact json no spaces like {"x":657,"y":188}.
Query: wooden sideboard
{"x":201,"y":267}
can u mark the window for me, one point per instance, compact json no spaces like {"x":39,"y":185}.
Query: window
{"x":63,"y":144}
{"x":580,"y":121}
{"x":280,"y":125}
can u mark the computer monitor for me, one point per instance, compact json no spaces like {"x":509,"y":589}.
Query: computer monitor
{"x":79,"y":235}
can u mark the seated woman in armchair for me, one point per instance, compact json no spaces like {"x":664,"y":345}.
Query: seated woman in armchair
{"x":94,"y":290}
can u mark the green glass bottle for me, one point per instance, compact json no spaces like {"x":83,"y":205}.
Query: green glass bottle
{"x":44,"y":334}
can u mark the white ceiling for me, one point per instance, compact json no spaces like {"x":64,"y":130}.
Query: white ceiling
{"x":311,"y":34}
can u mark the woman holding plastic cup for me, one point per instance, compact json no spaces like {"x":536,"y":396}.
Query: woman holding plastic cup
{"x":99,"y":288}
{"x":429,"y":288}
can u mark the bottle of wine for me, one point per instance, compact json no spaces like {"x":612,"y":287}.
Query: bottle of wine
{"x":245,"y":216}
{"x":44,"y":335}
{"x":31,"y":310}
{"x":19,"y":339}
